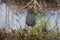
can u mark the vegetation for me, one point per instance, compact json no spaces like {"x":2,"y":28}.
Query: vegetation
{"x":39,"y":32}
{"x":41,"y":4}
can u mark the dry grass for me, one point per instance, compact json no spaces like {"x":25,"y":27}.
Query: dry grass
{"x":24,"y":35}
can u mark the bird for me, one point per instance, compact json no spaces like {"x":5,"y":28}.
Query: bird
{"x":30,"y":19}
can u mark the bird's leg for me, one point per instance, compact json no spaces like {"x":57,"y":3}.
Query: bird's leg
{"x":32,"y":29}
{"x":27,"y":28}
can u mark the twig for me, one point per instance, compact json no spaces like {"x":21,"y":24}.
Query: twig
{"x":27,"y":4}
